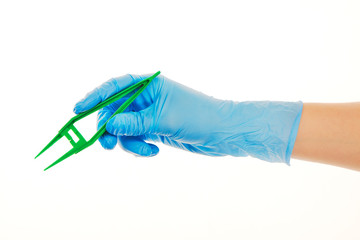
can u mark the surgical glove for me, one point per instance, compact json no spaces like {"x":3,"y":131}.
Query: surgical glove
{"x":181,"y":117}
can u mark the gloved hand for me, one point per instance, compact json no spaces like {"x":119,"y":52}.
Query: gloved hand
{"x":181,"y":117}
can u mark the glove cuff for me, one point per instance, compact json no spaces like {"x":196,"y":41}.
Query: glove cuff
{"x":293,"y":135}
{"x":281,"y":121}
{"x":267,"y":130}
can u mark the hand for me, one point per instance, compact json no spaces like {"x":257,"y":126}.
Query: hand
{"x":181,"y":117}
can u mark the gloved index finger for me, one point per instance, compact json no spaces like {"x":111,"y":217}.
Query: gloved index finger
{"x":103,"y":92}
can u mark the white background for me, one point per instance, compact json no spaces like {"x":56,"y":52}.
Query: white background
{"x":53,"y":53}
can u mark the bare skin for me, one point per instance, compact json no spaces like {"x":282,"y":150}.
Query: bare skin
{"x":329,"y":133}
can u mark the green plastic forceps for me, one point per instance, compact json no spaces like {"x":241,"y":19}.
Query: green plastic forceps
{"x":81,"y":144}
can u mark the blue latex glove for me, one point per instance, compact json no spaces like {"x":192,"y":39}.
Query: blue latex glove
{"x":181,"y":117}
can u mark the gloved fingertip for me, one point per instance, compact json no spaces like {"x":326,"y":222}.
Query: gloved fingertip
{"x":154,"y":149}
{"x":137,"y":146}
{"x":145,"y":151}
{"x":148,"y":150}
{"x":78,"y":108}
{"x":108,"y":141}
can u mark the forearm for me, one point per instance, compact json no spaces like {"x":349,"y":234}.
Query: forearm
{"x":329,"y":133}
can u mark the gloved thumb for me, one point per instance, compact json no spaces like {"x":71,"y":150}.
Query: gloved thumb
{"x":130,"y":123}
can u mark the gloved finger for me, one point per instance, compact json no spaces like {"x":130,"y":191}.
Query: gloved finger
{"x":105,"y":113}
{"x":103,"y":92}
{"x":107,"y":140}
{"x":137,"y":146}
{"x":131,"y":123}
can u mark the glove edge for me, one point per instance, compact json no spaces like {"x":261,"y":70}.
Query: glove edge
{"x":293,"y":135}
